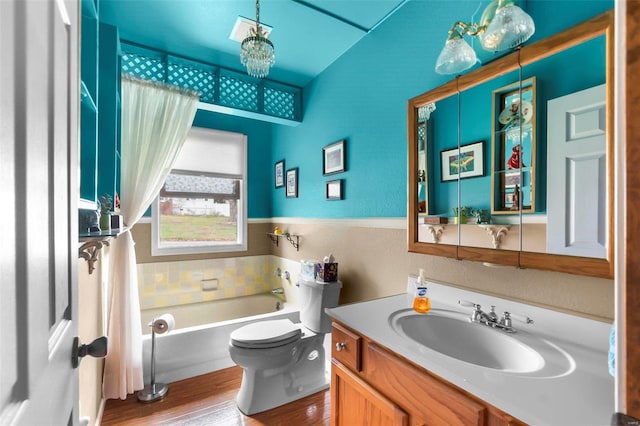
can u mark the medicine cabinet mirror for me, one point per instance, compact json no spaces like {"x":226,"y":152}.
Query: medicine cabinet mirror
{"x":512,"y":163}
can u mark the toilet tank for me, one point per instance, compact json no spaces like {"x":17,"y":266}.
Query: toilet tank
{"x":314,"y":297}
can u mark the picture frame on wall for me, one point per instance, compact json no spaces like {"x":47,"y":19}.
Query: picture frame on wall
{"x":278,"y":174}
{"x":467,"y":162}
{"x":333,"y":189}
{"x":334,"y":158}
{"x":292,"y":183}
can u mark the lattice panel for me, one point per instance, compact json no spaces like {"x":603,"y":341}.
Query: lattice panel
{"x":229,"y":88}
{"x":195,"y":79}
{"x":422,"y":136}
{"x":143,"y":67}
{"x":279,"y":103}
{"x":238,"y":93}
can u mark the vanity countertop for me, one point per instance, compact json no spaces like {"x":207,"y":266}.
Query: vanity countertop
{"x":583,"y":395}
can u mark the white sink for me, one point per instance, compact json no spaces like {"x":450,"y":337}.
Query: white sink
{"x":450,"y":333}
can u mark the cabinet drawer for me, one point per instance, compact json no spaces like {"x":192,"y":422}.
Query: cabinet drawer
{"x":346,"y":347}
{"x":424,"y":396}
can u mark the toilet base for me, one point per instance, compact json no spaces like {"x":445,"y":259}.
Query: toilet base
{"x":265,"y":389}
{"x":252,"y":405}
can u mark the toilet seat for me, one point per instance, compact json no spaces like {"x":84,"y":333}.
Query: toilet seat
{"x":266,"y":334}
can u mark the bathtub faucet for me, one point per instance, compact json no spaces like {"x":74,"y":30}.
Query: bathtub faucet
{"x":278,"y":290}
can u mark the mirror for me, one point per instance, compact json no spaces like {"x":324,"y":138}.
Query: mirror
{"x":511,"y":216}
{"x":431,"y":123}
{"x":481,"y":124}
{"x":437,"y":200}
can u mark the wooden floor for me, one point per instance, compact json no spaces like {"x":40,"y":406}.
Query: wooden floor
{"x":210,"y":400}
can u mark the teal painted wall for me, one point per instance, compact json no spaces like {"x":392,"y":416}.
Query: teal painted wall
{"x":362,"y":98}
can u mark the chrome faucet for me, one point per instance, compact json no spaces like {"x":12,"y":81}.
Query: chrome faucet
{"x":491,"y":318}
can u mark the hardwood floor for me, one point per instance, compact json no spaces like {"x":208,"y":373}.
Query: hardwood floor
{"x":210,"y":400}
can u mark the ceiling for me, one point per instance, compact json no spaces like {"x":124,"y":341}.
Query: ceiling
{"x":308,"y":35}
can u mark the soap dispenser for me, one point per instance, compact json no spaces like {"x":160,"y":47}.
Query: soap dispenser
{"x":421,"y":302}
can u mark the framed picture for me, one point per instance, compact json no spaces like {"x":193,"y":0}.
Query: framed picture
{"x":466,"y":162}
{"x":333,"y":158}
{"x":334,"y":190}
{"x":292,"y":183}
{"x":278,"y":174}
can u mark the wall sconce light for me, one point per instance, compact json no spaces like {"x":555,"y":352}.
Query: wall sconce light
{"x":503,"y":25}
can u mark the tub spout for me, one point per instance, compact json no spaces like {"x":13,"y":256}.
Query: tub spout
{"x":278,"y":290}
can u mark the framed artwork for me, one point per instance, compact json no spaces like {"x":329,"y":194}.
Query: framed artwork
{"x":292,"y":183}
{"x":333,"y":158}
{"x":514,"y":147}
{"x":334,"y":190}
{"x":466,"y":162}
{"x":278,"y":174}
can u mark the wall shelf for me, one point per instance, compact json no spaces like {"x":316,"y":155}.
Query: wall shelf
{"x":293,"y":239}
{"x":92,"y":243}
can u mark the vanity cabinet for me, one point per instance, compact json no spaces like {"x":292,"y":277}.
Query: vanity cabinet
{"x":371,"y":385}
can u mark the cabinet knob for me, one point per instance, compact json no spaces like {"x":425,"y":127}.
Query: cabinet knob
{"x":340,"y":346}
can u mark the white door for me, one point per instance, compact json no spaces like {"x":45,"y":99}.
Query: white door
{"x":577,"y":174}
{"x":38,"y":217}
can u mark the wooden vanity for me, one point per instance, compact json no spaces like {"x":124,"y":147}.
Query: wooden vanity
{"x":371,"y":385}
{"x":384,"y":373}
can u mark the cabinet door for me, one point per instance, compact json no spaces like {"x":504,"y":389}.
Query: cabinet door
{"x":428,"y":400}
{"x":354,"y":402}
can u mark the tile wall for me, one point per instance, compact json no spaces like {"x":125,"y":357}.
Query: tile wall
{"x":182,"y":282}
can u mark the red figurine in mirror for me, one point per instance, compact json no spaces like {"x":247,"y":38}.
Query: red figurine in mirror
{"x":514,"y":160}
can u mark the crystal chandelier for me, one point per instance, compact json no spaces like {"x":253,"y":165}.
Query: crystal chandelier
{"x":256,"y":51}
{"x":503,"y":26}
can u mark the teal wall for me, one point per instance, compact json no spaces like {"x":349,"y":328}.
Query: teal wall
{"x":362,"y":97}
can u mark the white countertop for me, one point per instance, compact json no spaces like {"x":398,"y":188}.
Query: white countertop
{"x":581,"y":395}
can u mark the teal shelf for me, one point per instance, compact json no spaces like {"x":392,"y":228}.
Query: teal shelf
{"x":86,"y":98}
{"x":89,"y":9}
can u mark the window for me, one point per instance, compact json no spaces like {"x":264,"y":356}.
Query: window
{"x":201,"y":207}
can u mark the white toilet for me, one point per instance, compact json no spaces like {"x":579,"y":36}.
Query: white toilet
{"x":283,"y":361}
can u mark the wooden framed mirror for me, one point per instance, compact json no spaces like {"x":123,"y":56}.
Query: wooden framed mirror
{"x":522,"y":234}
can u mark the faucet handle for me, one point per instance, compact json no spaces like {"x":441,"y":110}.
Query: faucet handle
{"x":468,"y":304}
{"x":508,"y":316}
{"x":477,"y":310}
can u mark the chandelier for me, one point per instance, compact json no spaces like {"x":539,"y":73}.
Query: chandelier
{"x":503,"y":26}
{"x":256,"y":51}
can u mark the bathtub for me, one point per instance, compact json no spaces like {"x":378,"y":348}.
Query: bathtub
{"x":199,"y":343}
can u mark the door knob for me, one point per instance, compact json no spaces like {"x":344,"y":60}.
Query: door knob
{"x":96,"y":349}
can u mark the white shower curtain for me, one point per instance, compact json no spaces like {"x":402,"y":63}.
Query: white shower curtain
{"x":155,"y":121}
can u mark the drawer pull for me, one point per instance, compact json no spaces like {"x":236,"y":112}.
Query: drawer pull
{"x":340,"y":346}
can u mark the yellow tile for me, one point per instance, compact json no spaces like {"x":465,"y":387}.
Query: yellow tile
{"x":160,"y":278}
{"x":160,"y":301}
{"x":230,"y":292}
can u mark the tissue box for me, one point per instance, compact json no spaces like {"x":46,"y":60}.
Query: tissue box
{"x":308,"y":268}
{"x":327,"y":272}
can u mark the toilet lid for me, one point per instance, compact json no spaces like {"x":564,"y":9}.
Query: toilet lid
{"x":266,"y":334}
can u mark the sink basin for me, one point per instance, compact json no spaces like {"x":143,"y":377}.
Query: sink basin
{"x":451,"y":334}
